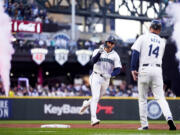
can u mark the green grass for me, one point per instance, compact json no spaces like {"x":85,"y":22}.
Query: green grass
{"x":38,"y":131}
{"x":79,"y":131}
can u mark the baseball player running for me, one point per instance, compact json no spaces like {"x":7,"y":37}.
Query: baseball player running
{"x":148,"y":51}
{"x":106,"y":64}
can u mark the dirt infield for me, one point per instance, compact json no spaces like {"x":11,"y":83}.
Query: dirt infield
{"x":105,"y":126}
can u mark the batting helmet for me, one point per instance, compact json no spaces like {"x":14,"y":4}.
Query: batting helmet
{"x":111,"y":39}
{"x":156,"y":25}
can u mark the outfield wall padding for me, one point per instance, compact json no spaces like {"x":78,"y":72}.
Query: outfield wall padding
{"x":67,"y":109}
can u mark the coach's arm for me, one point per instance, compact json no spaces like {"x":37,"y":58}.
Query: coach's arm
{"x":134,"y":64}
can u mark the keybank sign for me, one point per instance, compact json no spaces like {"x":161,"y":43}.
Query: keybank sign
{"x":4,"y":109}
{"x":60,"y":110}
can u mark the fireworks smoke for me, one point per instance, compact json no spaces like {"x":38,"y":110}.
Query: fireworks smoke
{"x":6,"y":49}
{"x":173,"y":10}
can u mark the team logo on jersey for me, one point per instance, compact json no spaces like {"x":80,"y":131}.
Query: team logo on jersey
{"x":107,"y":60}
{"x":83,"y":56}
{"x":154,"y":110}
{"x":38,"y":55}
{"x":61,"y":55}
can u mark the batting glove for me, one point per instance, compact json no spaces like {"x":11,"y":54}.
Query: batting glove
{"x":107,"y":76}
{"x":101,"y":48}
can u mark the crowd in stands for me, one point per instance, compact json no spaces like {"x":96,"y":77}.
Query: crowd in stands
{"x":29,"y":11}
{"x":26,"y":10}
{"x":64,"y":90}
{"x":22,"y":44}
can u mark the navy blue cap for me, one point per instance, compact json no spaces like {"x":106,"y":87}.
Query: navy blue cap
{"x":156,"y":24}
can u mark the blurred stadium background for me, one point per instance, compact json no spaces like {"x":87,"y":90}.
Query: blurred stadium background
{"x":54,"y":39}
{"x":49,"y":25}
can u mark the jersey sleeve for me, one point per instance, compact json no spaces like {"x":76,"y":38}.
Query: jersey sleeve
{"x":117,"y":62}
{"x":95,"y":52}
{"x":137,"y":44}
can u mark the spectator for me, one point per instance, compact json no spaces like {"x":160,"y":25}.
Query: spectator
{"x":64,"y":90}
{"x":26,"y":10}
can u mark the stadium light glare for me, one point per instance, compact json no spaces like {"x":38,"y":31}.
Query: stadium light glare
{"x":47,"y":73}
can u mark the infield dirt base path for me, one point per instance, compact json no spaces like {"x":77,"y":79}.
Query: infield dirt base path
{"x":103,"y":126}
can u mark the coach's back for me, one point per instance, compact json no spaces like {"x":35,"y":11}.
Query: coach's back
{"x":151,"y":48}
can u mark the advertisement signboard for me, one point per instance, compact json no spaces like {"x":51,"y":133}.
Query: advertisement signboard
{"x":67,"y":109}
{"x":26,"y":26}
{"x":5,"y":109}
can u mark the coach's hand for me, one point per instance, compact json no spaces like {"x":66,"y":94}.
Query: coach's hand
{"x":135,"y":75}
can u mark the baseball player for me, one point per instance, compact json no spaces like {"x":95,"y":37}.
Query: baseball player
{"x":106,"y":64}
{"x":148,"y":51}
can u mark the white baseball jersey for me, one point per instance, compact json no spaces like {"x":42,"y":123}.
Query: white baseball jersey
{"x":151,"y":48}
{"x":105,"y":65}
{"x":107,"y":62}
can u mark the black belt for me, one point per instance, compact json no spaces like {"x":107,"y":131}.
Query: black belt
{"x":98,"y":74}
{"x":158,"y":65}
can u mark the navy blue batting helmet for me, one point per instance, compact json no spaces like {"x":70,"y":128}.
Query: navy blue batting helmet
{"x":111,"y":39}
{"x":156,"y":24}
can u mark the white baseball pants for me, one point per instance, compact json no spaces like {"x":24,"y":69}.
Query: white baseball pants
{"x":98,"y":88}
{"x":151,"y":76}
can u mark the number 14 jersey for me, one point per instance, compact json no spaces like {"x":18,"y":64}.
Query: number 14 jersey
{"x":150,"y":47}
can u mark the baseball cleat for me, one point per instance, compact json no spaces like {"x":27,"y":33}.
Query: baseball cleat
{"x":85,"y":106}
{"x":171,"y":125}
{"x":95,"y":122}
{"x":143,"y":128}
